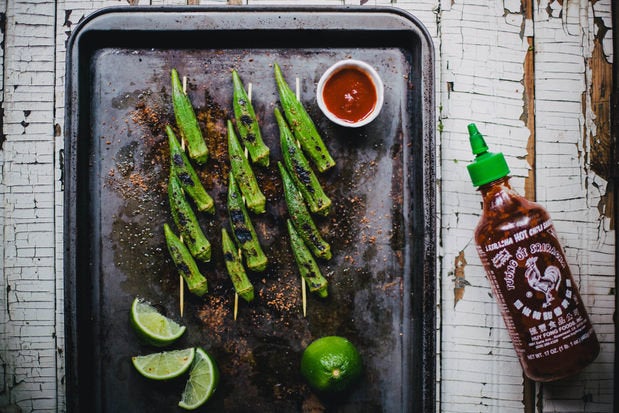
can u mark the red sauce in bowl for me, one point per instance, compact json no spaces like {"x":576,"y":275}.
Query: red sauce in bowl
{"x":350,"y":95}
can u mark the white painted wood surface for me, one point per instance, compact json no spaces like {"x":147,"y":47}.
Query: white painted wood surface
{"x":481,"y":48}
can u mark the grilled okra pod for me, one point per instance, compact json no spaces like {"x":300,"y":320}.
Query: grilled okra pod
{"x":301,"y":217}
{"x":186,"y":222}
{"x":247,"y":123}
{"x":185,"y":263}
{"x":308,"y":268}
{"x":243,"y":173}
{"x":302,"y":125}
{"x":234,"y":265}
{"x":300,"y":170}
{"x":187,"y":122}
{"x":243,"y":229}
{"x":190,"y":182}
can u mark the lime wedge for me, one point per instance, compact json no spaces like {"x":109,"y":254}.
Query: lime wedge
{"x":203,"y":379}
{"x":153,"y":327}
{"x":165,"y":365}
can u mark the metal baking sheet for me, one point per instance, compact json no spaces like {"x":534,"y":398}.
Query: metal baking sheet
{"x":381,"y":278}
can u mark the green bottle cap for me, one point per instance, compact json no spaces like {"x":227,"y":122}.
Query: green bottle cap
{"x":487,"y":166}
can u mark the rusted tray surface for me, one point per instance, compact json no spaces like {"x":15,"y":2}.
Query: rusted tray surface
{"x":381,"y":293}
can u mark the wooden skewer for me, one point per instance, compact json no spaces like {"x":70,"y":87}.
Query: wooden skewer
{"x":182,"y":282}
{"x":303,"y":289}
{"x":236,"y":305}
{"x":182,"y":294}
{"x":304,"y":296}
{"x":236,"y":295}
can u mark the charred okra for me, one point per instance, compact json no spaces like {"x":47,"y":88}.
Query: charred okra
{"x":186,"y":221}
{"x":302,"y":125}
{"x":301,"y":217}
{"x":185,"y":263}
{"x":182,"y":168}
{"x":307,"y":265}
{"x":187,"y":122}
{"x":243,"y":229}
{"x":236,"y":271}
{"x":247,"y":123}
{"x":243,"y":174}
{"x":302,"y":174}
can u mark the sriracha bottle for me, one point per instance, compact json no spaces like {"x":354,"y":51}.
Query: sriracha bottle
{"x":529,"y":275}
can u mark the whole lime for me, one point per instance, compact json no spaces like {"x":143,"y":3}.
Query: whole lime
{"x":331,"y":364}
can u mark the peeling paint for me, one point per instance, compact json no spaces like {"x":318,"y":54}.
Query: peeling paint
{"x":600,"y":94}
{"x":599,"y":137}
{"x":67,"y":17}
{"x":459,"y":279}
{"x":528,"y":97}
{"x":555,"y":9}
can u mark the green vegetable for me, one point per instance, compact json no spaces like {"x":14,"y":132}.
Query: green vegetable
{"x":302,"y":174}
{"x":243,"y":173}
{"x":234,"y":265}
{"x":302,"y":219}
{"x":302,"y":125}
{"x":243,"y":229}
{"x":307,"y":265}
{"x":182,"y":168}
{"x":247,"y":123}
{"x":185,"y":263}
{"x":186,"y":222}
{"x":187,"y":122}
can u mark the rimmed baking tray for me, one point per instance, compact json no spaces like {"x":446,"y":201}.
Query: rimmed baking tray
{"x":382,"y":229}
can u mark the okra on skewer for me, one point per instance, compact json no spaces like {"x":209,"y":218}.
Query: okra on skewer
{"x":300,"y":170}
{"x":234,"y":265}
{"x":247,"y":123}
{"x":308,"y":268}
{"x":185,"y":263}
{"x":186,"y":222}
{"x":190,"y":182}
{"x":187,"y":122}
{"x":244,"y":175}
{"x":243,"y":229}
{"x":302,"y":125}
{"x":301,"y":218}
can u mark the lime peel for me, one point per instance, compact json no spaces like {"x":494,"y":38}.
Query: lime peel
{"x":164,"y":365}
{"x":202,"y":382}
{"x":153,"y":327}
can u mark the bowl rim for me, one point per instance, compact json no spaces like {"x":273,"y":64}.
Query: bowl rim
{"x":374,"y":77}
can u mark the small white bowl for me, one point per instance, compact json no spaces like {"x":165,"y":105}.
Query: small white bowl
{"x":372,"y":75}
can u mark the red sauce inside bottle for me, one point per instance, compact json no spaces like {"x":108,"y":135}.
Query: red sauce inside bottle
{"x":531,"y":280}
{"x":350,"y":95}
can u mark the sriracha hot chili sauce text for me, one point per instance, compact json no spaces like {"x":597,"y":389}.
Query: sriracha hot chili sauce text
{"x":529,"y":275}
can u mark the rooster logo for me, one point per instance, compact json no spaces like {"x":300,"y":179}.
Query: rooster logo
{"x":548,"y":283}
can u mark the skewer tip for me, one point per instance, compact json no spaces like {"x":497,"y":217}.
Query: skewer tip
{"x":236,"y":305}
{"x":304,"y":297}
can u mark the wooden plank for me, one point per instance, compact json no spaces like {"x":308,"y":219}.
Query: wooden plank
{"x":28,"y":332}
{"x":482,"y":70}
{"x":572,"y":175}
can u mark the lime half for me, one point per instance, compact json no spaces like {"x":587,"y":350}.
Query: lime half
{"x":331,"y":364}
{"x":165,"y":365}
{"x":203,"y":379}
{"x":152,"y":326}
